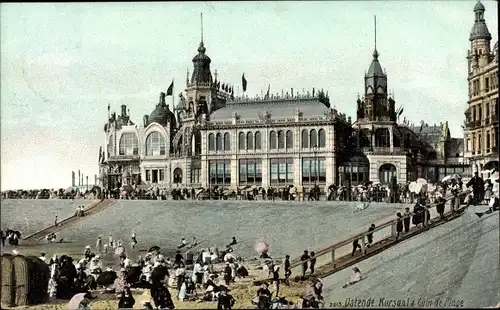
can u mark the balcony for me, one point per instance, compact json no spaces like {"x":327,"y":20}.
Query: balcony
{"x":383,"y":150}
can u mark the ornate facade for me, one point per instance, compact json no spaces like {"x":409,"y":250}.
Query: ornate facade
{"x":481,"y":116}
{"x":212,"y":138}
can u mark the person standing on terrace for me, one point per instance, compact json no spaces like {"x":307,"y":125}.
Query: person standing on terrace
{"x":304,"y":258}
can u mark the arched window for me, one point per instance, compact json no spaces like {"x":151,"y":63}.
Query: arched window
{"x":272,"y":140}
{"x":129,"y":145}
{"x":314,"y":138}
{"x":289,"y":140}
{"x":258,"y":140}
{"x":218,"y":142}
{"x":211,"y":142}
{"x":241,"y":141}
{"x":249,"y":140}
{"x":155,"y":144}
{"x":386,"y":173}
{"x":305,"y":139}
{"x":177,"y":175}
{"x":281,"y":139}
{"x":227,"y":142}
{"x":322,"y":138}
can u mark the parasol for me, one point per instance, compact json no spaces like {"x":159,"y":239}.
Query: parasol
{"x":261,"y":246}
{"x":119,"y":250}
{"x":456,"y":177}
{"x":74,"y":303}
{"x":446,"y":179}
{"x":421,"y":181}
{"x":154,"y":248}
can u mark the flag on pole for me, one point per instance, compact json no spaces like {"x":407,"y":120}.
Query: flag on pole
{"x":268,"y":89}
{"x":170,"y":89}
{"x":400,"y":112}
{"x":244,"y":82}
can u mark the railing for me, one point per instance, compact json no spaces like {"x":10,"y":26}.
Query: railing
{"x":384,"y":230}
{"x":383,"y":149}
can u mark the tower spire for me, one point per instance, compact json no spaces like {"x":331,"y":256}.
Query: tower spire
{"x":375,"y":52}
{"x":201,"y":18}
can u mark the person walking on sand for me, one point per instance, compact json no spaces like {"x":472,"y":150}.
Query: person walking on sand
{"x":56,"y":221}
{"x":407,"y":219}
{"x":288,"y":269}
{"x":312,"y":262}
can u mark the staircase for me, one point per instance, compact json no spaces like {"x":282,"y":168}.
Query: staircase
{"x":94,"y":208}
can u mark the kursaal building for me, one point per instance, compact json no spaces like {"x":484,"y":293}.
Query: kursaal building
{"x":214,"y":138}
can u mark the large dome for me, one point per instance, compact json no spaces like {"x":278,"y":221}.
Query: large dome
{"x":159,"y":115}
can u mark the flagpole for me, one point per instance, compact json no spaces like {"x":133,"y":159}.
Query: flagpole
{"x":173,"y":102}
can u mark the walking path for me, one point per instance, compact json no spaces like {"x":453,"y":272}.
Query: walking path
{"x":94,"y":208}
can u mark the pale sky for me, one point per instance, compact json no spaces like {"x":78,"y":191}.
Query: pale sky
{"x":61,"y":64}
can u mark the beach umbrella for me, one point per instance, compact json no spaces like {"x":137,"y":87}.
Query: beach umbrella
{"x":261,"y":246}
{"x":414,"y":187}
{"x":154,"y":248}
{"x":446,"y":179}
{"x":494,"y":176}
{"x":254,"y":187}
{"x":456,"y":177}
{"x":68,"y":190}
{"x":76,"y":300}
{"x":119,"y":250}
{"x":421,"y":181}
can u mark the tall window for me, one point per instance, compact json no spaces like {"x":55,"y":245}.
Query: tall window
{"x":281,"y":170}
{"x":355,"y":173}
{"x":281,"y":139}
{"x":313,"y":169}
{"x":249,"y":140}
{"x":314,"y":139}
{"x":227,"y":142}
{"x":272,"y":140}
{"x":218,"y":142}
{"x":241,"y":141}
{"x":488,"y":141}
{"x":111,"y":146}
{"x":155,"y":144}
{"x":305,"y":139}
{"x":250,"y":171}
{"x":479,"y":143}
{"x":220,"y":172}
{"x":195,"y":175}
{"x":211,"y":142}
{"x":321,"y":138}
{"x":258,"y":140}
{"x":129,"y":145}
{"x":289,"y":140}
{"x":382,"y":137}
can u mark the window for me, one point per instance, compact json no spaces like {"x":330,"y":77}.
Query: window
{"x":162,"y":174}
{"x":480,"y":113}
{"x":322,"y":138}
{"x":382,"y":137}
{"x":281,"y":139}
{"x":195,"y":175}
{"x":479,"y":143}
{"x":155,"y":144}
{"x":177,"y":175}
{"x":111,"y":146}
{"x":467,"y":146}
{"x":129,"y":144}
{"x":305,"y":139}
{"x":218,"y":142}
{"x":289,"y":140}
{"x":281,"y":170}
{"x":314,"y":139}
{"x":249,"y":140}
{"x":313,"y":169}
{"x":272,"y":140}
{"x":488,"y":142}
{"x":148,"y":175}
{"x":258,"y":141}
{"x":250,"y":171}
{"x":227,"y":142}
{"x":386,"y":173}
{"x":219,"y":172}
{"x":211,"y":142}
{"x":241,"y":141}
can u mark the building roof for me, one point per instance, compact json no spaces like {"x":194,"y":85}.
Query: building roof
{"x":161,"y":114}
{"x":281,"y":108}
{"x":375,"y":76}
{"x":455,"y":147}
{"x":429,"y":134}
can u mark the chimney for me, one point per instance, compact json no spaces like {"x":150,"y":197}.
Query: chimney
{"x":72,"y":178}
{"x":124,"y":110}
{"x":87,"y":178}
{"x":79,"y":177}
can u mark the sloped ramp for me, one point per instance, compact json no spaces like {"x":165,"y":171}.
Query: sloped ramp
{"x":94,"y":208}
{"x":454,"y":265}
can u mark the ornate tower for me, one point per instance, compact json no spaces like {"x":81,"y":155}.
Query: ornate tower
{"x":376,"y":106}
{"x":480,"y":38}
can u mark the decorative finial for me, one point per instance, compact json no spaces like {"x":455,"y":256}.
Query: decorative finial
{"x":201,"y":18}
{"x":375,"y":52}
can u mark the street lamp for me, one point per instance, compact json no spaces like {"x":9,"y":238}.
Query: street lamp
{"x":315,"y":150}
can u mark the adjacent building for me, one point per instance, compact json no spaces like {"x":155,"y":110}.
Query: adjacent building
{"x":481,"y":116}
{"x":214,"y":138}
